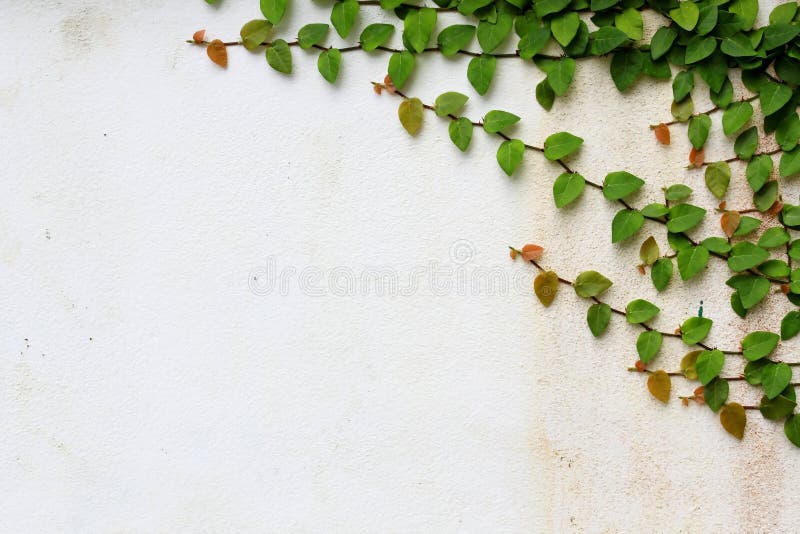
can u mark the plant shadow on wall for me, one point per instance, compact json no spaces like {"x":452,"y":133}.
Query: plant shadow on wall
{"x":713,"y":41}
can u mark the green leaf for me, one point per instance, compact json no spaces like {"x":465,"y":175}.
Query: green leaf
{"x":709,"y":364}
{"x":717,"y":245}
{"x":750,"y":288}
{"x":598,"y":317}
{"x":790,"y":325}
{"x":376,"y":35}
{"x":461,"y":132}
{"x":328,"y":64}
{"x":709,"y":15}
{"x":792,"y":429}
{"x":630,"y":22}
{"x":677,"y":192}
{"x":545,"y":94}
{"x":567,"y":188}
{"x":775,"y":378}
{"x":695,"y":329}
{"x":312,"y":34}
{"x":736,"y":116}
{"x":648,"y":344}
{"x":449,"y":103}
{"x":626,"y":65}
{"x":279,"y":56}
{"x":775,"y":268}
{"x":682,"y":111}
{"x":560,"y":145}
{"x":410,"y":113}
{"x":737,"y":45}
{"x":274,"y":10}
{"x":746,"y":226}
{"x":716,"y":393}
{"x":753,"y":371}
{"x":534,"y":42}
{"x":561,"y":74}
{"x":661,"y":273}
{"x":790,"y":163}
{"x":591,"y":284}
{"x":699,"y":126}
{"x":496,"y":120}
{"x":747,"y":11}
{"x":418,"y":28}
{"x":564,"y":27}
{"x":757,"y":345}
{"x":606,"y":39}
{"x":682,"y":85}
{"x":662,"y":41}
{"x":698,"y":48}
{"x":779,"y":407}
{"x":509,"y":155}
{"x":686,"y":15}
{"x":492,"y":34}
{"x":723,"y":98}
{"x":773,"y":238}
{"x":625,"y":224}
{"x":788,"y":132}
{"x":480,"y":72}
{"x":640,"y":311}
{"x":468,"y":7}
{"x":746,"y":143}
{"x":655,"y":210}
{"x":773,"y":96}
{"x":778,"y":34}
{"x":691,"y":261}
{"x":400,"y":66}
{"x":620,"y":184}
{"x":343,"y":16}
{"x":254,"y":33}
{"x":548,"y":7}
{"x":683,"y":217}
{"x":649,"y":251}
{"x":455,"y":38}
{"x":758,"y":170}
{"x":783,"y":13}
{"x":746,"y":255}
{"x":718,"y":178}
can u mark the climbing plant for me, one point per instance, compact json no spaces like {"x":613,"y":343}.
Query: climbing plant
{"x":716,"y":42}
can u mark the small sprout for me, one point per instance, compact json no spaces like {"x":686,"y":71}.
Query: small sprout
{"x":199,"y":36}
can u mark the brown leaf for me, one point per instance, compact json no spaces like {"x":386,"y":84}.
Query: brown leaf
{"x":641,"y":270}
{"x":662,"y":133}
{"x":513,"y":253}
{"x":546,"y":286}
{"x":730,"y":222}
{"x":532,"y":252}
{"x":699,"y":395}
{"x":388,"y":84}
{"x":723,"y":205}
{"x":218,"y":53}
{"x":733,"y":419}
{"x":785,"y":288}
{"x":639,"y":366}
{"x":697,"y":157}
{"x":199,"y":36}
{"x":660,"y":385}
{"x":685,"y":401}
{"x":377,"y":88}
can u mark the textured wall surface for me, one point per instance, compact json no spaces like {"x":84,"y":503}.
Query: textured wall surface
{"x":193,"y":338}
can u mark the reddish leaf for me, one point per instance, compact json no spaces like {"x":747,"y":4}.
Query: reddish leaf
{"x":377,"y":88}
{"x":388,"y":84}
{"x":697,"y":157}
{"x":218,"y":53}
{"x":662,"y":133}
{"x":775,"y":208}
{"x":199,"y":36}
{"x":513,"y":253}
{"x":532,"y":252}
{"x":639,"y":366}
{"x":698,"y":395}
{"x":730,"y":222}
{"x":641,"y":269}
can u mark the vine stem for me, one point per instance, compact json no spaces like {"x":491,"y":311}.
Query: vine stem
{"x":567,"y":168}
{"x":359,"y":46}
{"x":737,"y":158}
{"x":706,"y":112}
{"x":623,"y":313}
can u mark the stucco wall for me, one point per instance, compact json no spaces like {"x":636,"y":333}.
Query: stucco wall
{"x":150,"y":381}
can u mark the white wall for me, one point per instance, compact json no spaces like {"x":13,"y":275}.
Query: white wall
{"x":146,"y":386}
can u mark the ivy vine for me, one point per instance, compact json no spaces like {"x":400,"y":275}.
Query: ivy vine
{"x":713,"y":41}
